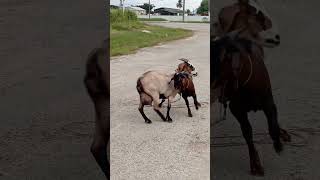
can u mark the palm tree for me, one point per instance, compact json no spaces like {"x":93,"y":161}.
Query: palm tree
{"x":179,"y":4}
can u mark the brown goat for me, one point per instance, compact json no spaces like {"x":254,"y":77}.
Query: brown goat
{"x":97,"y":84}
{"x":188,"y":89}
{"x":153,"y":85}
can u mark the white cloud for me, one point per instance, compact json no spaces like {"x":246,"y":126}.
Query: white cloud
{"x":190,"y":4}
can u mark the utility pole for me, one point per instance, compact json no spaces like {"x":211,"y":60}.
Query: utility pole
{"x":149,"y":9}
{"x":209,"y":9}
{"x":122,"y":5}
{"x":184,"y":2}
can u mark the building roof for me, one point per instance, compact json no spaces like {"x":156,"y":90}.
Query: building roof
{"x":170,"y":10}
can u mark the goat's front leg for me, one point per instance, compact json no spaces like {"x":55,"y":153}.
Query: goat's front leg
{"x":168,"y":110}
{"x":156,"y":107}
{"x":162,"y":101}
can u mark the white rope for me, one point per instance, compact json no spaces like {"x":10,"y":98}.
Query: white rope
{"x":250,"y":75}
{"x":176,"y":100}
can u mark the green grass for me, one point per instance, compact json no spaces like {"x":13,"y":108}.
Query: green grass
{"x":126,"y":42}
{"x":152,"y":19}
{"x":127,"y":36}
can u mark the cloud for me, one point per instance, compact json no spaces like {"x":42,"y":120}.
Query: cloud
{"x":190,"y":4}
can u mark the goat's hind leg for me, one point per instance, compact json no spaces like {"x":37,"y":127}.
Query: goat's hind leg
{"x":270,"y":111}
{"x":187,"y":103}
{"x":196,"y":103}
{"x":146,"y":119}
{"x":144,"y":100}
{"x":242,"y":117}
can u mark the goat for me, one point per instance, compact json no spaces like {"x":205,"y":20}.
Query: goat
{"x":188,"y":89}
{"x":153,"y":85}
{"x":96,"y":81}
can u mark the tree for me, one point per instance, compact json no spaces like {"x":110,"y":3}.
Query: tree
{"x":179,"y":4}
{"x":204,"y":7}
{"x":188,"y":11}
{"x":145,"y":6}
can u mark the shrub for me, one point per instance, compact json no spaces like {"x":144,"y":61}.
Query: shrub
{"x":120,"y":20}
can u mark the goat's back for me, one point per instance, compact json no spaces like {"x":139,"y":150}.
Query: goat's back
{"x":154,"y":81}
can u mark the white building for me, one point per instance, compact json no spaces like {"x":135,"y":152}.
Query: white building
{"x":137,"y":10}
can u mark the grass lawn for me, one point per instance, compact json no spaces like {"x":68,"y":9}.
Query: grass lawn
{"x":128,"y":40}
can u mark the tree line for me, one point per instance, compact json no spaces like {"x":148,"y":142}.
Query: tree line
{"x":202,"y":9}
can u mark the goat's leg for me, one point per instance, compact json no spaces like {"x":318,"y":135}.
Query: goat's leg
{"x":196,"y":103}
{"x":187,"y":103}
{"x":160,"y":114}
{"x":156,"y":107}
{"x":99,"y":150}
{"x":270,"y":111}
{"x":168,"y":111}
{"x":146,"y":119}
{"x":162,"y":101}
{"x":242,"y":117}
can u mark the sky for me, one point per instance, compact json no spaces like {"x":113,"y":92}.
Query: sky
{"x":190,"y":4}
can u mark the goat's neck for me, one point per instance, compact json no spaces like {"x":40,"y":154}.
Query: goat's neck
{"x":173,"y":90}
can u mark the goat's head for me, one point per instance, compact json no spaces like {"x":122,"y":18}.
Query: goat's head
{"x":186,"y":66}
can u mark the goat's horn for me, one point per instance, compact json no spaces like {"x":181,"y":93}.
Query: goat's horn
{"x":184,"y":59}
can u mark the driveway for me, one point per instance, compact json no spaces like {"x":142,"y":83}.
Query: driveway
{"x":161,"y":150}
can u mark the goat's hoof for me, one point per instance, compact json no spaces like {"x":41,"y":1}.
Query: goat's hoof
{"x":148,"y":121}
{"x":285,"y":136}
{"x":257,"y":171}
{"x":190,"y":115}
{"x":278,"y":147}
{"x":169,"y":119}
{"x":255,"y":165}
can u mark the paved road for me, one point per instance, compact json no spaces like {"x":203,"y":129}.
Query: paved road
{"x":161,"y":150}
{"x":294,"y":71}
{"x":46,"y":121}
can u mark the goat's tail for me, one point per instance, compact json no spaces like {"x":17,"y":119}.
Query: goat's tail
{"x":139,"y":86}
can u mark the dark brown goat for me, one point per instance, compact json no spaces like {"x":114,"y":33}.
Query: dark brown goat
{"x":188,"y":90}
